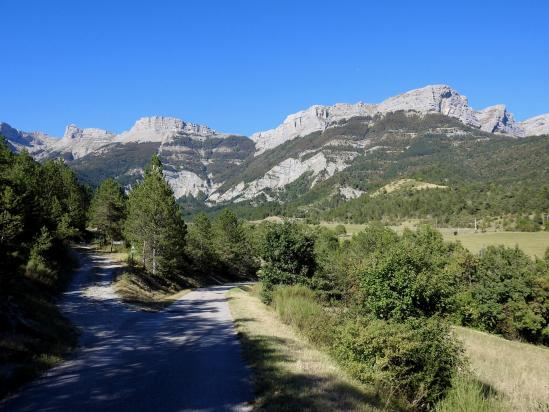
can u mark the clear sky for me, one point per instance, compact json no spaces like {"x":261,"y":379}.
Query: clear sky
{"x":242,"y":66}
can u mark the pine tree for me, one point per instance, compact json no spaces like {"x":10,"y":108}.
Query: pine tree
{"x":107,"y":210}
{"x":232,"y":244}
{"x":155,"y":224}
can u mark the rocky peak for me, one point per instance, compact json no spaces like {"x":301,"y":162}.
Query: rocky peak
{"x":308,"y":121}
{"x":73,"y":132}
{"x":437,"y":98}
{"x":169,"y":124}
{"x":536,"y":126}
{"x":33,"y":142}
{"x":160,"y":129}
{"x":496,"y":119}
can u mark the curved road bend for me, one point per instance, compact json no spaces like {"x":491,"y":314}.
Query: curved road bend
{"x":185,"y":358}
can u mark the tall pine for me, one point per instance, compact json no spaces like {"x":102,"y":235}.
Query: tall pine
{"x":107,"y":210}
{"x":154,"y":224}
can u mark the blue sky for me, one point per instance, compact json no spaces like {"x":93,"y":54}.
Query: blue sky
{"x":242,"y":66}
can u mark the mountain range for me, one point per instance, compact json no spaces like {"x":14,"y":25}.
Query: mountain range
{"x":309,"y":147}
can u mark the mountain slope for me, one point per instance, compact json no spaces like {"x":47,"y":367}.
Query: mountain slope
{"x":306,"y":154}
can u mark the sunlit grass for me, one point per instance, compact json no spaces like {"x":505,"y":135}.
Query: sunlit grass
{"x":519,"y":371}
{"x":289,"y":373}
{"x":532,"y":243}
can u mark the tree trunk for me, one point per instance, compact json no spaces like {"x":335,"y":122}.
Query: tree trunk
{"x":154,"y":261}
{"x":112,"y":241}
{"x":143,"y":257}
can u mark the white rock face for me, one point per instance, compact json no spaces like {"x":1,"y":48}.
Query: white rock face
{"x":433,"y":99}
{"x":314,"y":119}
{"x":163,"y":129}
{"x":350,"y":192}
{"x":496,"y":119}
{"x":186,"y":183}
{"x":33,"y":142}
{"x":430,"y":99}
{"x":536,"y":126}
{"x":281,"y":175}
{"x":80,"y":142}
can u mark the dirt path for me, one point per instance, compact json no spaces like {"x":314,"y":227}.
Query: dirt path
{"x":184,"y":358}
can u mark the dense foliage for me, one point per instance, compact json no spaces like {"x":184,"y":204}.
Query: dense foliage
{"x":41,"y":207}
{"x":107,"y":210}
{"x":288,"y":253}
{"x":507,"y":293}
{"x":416,"y":358}
{"x":221,"y":249}
{"x":155,"y":225}
{"x":413,"y":276}
{"x":382,"y":303}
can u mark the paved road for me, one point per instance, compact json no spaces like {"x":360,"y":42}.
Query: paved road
{"x":185,"y":358}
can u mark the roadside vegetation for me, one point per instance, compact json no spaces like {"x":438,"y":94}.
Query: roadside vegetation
{"x":42,"y":209}
{"x":384,"y":306}
{"x":289,"y":372}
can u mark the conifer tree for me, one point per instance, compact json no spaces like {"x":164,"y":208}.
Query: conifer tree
{"x":232,"y":244}
{"x":154,"y":223}
{"x":107,"y":210}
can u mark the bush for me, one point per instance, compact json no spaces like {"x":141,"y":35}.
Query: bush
{"x":416,"y":359}
{"x":288,"y":252}
{"x":39,"y":265}
{"x":340,"y":230}
{"x":509,"y":295}
{"x":413,"y":277}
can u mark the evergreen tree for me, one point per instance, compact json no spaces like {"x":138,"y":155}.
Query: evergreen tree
{"x":37,"y":202}
{"x":200,"y":245}
{"x":232,"y":244}
{"x":107,"y":210}
{"x":155,"y":224}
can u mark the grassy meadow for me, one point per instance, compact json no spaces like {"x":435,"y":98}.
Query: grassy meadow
{"x":519,"y":371}
{"x":532,"y":243}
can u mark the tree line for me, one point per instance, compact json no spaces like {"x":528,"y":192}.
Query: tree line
{"x":151,"y":222}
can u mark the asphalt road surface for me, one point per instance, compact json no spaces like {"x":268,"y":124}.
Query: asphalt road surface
{"x":185,"y":358}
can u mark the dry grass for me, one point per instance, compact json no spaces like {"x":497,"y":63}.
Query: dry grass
{"x":519,"y":371}
{"x":289,"y":373}
{"x":138,"y":288}
{"x":406,"y":184}
{"x":532,"y":243}
{"x":147,"y":293}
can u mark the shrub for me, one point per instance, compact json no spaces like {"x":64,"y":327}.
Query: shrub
{"x":288,"y":252}
{"x":340,"y":230}
{"x":416,"y":359}
{"x":509,"y":295}
{"x":413,"y":277}
{"x":39,"y":267}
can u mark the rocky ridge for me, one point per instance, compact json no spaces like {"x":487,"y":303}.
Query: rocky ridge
{"x":430,"y":99}
{"x":199,"y":161}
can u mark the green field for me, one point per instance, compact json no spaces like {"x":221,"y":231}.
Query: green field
{"x":532,"y":243}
